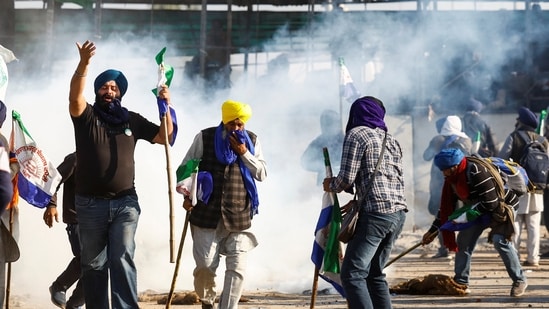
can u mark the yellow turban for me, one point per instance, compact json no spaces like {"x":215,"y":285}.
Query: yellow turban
{"x":231,"y":110}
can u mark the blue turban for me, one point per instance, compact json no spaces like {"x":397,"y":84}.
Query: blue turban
{"x":3,"y":111}
{"x":109,"y":75}
{"x":527,"y":117}
{"x":448,"y":157}
{"x":474,"y":105}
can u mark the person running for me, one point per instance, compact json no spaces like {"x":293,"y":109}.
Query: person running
{"x":231,"y":157}
{"x":71,"y":274}
{"x":106,"y":134}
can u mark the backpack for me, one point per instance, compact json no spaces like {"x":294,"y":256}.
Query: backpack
{"x":453,"y":141}
{"x":514,"y":176}
{"x":535,"y":160}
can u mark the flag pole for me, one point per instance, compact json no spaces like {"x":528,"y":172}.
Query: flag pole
{"x":179,"y":253}
{"x":315,"y":288}
{"x":329,"y":174}
{"x":163,"y":79}
{"x":8,"y":279}
{"x":170,"y":185}
{"x":341,"y":61}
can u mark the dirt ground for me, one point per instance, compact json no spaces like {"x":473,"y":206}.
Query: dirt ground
{"x":490,"y":284}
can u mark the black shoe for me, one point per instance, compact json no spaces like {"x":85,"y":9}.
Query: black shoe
{"x":207,"y":306}
{"x":74,"y":304}
{"x":58,"y":297}
{"x":440,"y":255}
{"x":545,"y":255}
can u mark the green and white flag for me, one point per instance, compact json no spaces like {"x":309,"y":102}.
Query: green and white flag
{"x":186,"y":176}
{"x":165,"y":76}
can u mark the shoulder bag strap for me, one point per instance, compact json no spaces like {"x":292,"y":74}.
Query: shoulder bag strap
{"x":495,"y":174}
{"x":525,"y":137}
{"x":378,"y":164}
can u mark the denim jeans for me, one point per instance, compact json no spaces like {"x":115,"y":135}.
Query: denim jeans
{"x":71,"y":274}
{"x":365,"y":257}
{"x":467,"y":240}
{"x":107,"y":238}
{"x":74,"y":240}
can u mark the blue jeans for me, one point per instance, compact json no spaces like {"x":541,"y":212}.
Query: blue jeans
{"x":365,"y":257}
{"x":107,"y":239}
{"x":466,"y":242}
{"x":72,"y":272}
{"x":72,"y":233}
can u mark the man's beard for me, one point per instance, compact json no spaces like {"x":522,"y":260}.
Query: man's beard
{"x":105,"y":100}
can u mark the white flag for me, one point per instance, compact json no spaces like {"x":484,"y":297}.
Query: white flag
{"x":38,"y":177}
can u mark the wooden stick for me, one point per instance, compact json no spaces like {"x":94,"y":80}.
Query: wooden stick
{"x":170,"y":185}
{"x":8,"y":279}
{"x":179,"y":252}
{"x":407,"y":251}
{"x":315,"y":288}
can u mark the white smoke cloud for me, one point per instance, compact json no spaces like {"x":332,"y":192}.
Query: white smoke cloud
{"x":286,"y":111}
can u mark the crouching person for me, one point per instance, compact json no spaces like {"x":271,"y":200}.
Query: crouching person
{"x":487,"y":204}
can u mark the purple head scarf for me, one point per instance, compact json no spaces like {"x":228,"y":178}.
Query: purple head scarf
{"x":366,"y":111}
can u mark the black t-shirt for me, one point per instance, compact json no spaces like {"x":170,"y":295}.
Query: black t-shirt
{"x":105,"y":153}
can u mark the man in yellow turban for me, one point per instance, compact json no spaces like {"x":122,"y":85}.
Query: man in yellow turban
{"x":221,"y":219}
{"x":231,"y":110}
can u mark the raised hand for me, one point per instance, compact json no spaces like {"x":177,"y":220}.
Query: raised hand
{"x":86,"y":51}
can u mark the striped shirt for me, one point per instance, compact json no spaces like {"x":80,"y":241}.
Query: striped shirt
{"x":483,"y":190}
{"x":480,"y":187}
{"x":361,"y":150}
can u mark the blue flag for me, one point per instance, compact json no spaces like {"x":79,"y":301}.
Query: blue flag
{"x":327,"y":251}
{"x":326,"y":247}
{"x":347,"y":89}
{"x":38,"y":177}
